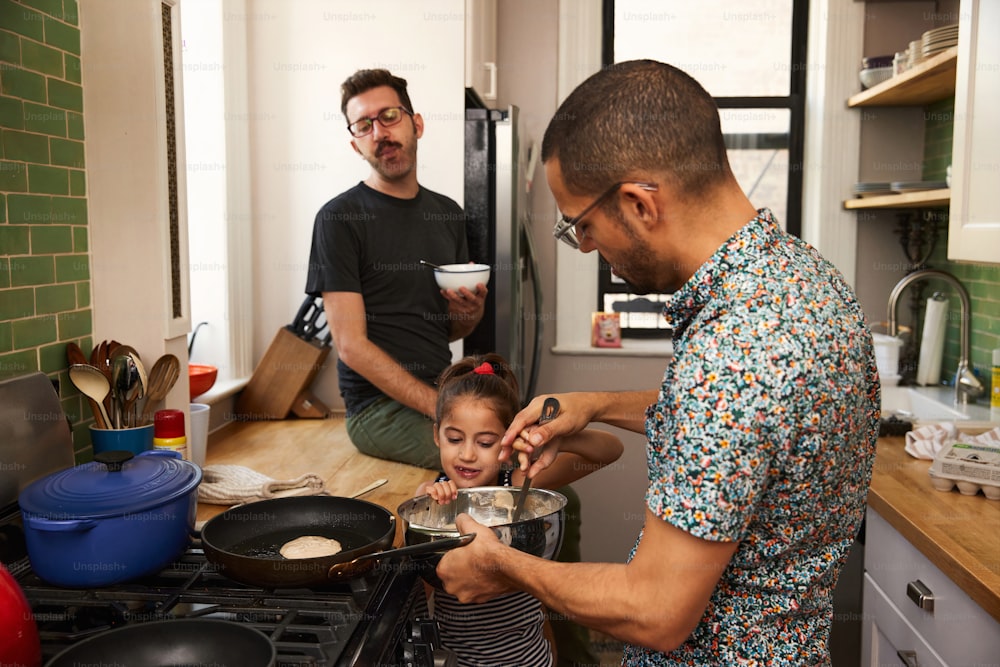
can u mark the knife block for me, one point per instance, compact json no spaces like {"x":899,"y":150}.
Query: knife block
{"x":284,"y":374}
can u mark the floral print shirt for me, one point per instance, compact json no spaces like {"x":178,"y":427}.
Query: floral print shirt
{"x":764,"y":433}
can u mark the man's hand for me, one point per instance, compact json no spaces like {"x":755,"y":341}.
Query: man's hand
{"x":526,"y":435}
{"x":465,"y":309}
{"x":472,"y":573}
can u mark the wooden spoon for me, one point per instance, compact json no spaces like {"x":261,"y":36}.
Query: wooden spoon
{"x":75,"y":356}
{"x":160,"y":381}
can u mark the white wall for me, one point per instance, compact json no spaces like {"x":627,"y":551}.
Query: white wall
{"x":299,"y":52}
{"x":207,"y":170}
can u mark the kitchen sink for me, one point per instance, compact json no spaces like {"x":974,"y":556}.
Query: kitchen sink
{"x":931,"y":404}
{"x":912,"y":404}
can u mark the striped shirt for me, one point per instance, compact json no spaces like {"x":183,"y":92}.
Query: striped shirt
{"x":504,"y":632}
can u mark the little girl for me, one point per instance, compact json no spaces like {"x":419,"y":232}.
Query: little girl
{"x":477,"y":400}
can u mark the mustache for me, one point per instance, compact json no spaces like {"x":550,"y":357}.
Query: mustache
{"x":383,"y":145}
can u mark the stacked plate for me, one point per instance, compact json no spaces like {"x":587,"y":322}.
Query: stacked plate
{"x":872,"y":189}
{"x":917,"y":186}
{"x":937,"y":40}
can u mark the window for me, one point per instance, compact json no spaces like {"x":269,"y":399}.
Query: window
{"x":750,"y":55}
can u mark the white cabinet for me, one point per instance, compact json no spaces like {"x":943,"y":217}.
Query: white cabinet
{"x":974,"y":227}
{"x":481,"y":47}
{"x":947,"y":629}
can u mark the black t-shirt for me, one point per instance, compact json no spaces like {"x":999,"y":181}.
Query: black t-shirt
{"x":368,"y":242}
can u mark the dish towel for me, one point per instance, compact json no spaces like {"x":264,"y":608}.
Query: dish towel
{"x":926,"y":441}
{"x":232,"y":485}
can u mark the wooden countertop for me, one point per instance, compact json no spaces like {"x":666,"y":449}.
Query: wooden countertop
{"x":959,"y":534}
{"x":291,"y":448}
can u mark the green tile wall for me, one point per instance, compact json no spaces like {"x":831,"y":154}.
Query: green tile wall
{"x":44,"y":264}
{"x":981,"y":280}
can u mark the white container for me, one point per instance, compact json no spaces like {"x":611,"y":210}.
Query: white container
{"x":199,"y":433}
{"x":887,"y":356}
{"x":453,"y":276}
{"x":972,"y":468}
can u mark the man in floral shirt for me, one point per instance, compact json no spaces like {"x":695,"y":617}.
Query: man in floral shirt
{"x":760,"y":440}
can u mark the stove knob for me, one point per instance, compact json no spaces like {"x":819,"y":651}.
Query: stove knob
{"x":425,"y":630}
{"x":417,"y":654}
{"x":445,"y":658}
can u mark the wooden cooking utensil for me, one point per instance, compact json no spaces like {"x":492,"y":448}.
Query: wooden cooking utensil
{"x":160,"y":380}
{"x":74,"y":355}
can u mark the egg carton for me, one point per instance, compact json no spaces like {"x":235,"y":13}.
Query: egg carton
{"x":972,"y":468}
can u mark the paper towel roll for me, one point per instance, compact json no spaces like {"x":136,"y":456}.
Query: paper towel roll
{"x":932,"y":340}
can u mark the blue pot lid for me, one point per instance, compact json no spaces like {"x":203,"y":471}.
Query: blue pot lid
{"x":116,"y":483}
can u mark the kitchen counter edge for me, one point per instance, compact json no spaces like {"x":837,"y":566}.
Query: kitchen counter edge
{"x":955,"y":532}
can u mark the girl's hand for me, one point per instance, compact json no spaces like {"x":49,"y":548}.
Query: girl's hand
{"x":443,"y":492}
{"x":535,"y":458}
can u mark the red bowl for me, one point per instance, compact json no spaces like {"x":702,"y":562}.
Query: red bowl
{"x":202,"y":378}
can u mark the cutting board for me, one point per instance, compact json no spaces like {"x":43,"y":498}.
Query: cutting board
{"x":35,"y":438}
{"x":283,"y":375}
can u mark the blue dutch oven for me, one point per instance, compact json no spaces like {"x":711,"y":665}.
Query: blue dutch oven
{"x":121,"y":517}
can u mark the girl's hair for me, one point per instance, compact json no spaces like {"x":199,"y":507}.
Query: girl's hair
{"x":495,"y":383}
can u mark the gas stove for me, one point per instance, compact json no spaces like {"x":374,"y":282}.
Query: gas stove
{"x":372,"y":620}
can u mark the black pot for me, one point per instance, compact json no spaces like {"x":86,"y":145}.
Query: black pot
{"x":113,"y":520}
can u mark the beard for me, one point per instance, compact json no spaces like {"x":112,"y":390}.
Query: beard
{"x":398,"y":165}
{"x":640,"y":269}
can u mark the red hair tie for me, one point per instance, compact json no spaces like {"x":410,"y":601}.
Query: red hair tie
{"x":485,"y":368}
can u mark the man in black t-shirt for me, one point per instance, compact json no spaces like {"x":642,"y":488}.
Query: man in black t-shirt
{"x":390,"y":322}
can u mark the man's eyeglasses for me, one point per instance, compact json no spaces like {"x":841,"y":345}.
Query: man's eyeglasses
{"x":386,"y":117}
{"x":565,"y":229}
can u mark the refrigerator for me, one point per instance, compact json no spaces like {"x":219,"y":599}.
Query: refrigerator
{"x":497,"y":236}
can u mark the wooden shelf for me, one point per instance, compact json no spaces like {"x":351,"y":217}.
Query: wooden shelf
{"x":930,"y":81}
{"x":922,"y":199}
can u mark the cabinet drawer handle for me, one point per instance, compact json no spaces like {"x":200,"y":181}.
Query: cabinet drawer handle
{"x":920,"y":594}
{"x":909,"y":658}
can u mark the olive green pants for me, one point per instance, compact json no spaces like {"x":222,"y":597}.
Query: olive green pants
{"x":387,"y":429}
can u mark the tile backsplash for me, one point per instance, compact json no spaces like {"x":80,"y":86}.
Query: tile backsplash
{"x":45,"y":288}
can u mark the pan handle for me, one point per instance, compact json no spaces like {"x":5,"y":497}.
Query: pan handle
{"x":434,"y":546}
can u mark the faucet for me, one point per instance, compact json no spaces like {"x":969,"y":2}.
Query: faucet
{"x":967,"y":385}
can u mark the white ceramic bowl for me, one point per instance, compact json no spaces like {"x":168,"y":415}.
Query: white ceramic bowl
{"x":874,"y":76}
{"x":453,"y":276}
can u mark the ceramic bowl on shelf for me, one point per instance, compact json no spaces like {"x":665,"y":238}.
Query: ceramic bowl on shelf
{"x":873,"y":62}
{"x":874,"y":76}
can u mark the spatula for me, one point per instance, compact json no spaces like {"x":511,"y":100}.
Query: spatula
{"x":549,"y":411}
{"x":160,"y":381}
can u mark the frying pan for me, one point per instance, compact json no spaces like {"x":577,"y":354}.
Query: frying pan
{"x":244,"y":541}
{"x":183,"y":641}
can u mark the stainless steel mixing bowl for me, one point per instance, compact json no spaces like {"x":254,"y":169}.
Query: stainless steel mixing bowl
{"x":539,"y":532}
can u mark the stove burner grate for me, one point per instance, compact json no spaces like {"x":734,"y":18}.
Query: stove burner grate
{"x":307,"y":626}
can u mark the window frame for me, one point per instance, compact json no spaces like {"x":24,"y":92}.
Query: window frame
{"x":794,"y":102}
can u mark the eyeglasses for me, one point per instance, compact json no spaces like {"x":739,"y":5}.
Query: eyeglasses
{"x":386,"y":117}
{"x":565,"y":229}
